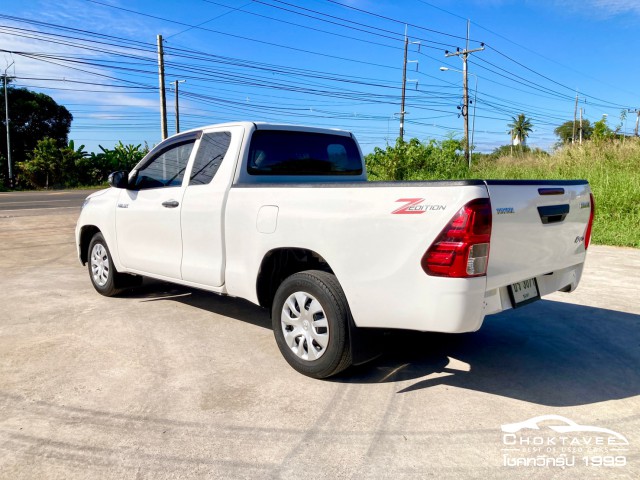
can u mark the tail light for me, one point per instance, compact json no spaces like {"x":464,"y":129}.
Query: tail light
{"x":462,"y":248}
{"x":587,"y":233}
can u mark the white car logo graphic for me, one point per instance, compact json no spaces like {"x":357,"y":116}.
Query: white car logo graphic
{"x":569,"y":427}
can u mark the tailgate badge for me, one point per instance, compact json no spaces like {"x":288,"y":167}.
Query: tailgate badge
{"x":505,"y":211}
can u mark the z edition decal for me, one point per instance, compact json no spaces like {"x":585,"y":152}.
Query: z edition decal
{"x":414,"y":206}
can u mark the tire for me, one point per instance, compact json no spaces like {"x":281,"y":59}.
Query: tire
{"x":310,"y":318}
{"x":102,"y":272}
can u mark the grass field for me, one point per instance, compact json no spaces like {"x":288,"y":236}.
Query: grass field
{"x":612,"y":169}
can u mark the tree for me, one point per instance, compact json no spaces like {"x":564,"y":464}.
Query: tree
{"x":32,"y":117}
{"x":565,"y":131}
{"x":520,"y":127}
{"x":601,"y":131}
{"x":94,"y":169}
{"x":48,"y":165}
{"x":416,"y":160}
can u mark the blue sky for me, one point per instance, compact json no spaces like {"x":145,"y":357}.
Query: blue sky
{"x":323,"y":62}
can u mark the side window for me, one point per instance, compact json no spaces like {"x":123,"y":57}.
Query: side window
{"x":213,"y":148}
{"x":165,"y":169}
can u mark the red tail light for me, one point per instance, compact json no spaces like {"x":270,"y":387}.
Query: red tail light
{"x":587,"y":233}
{"x":462,"y":248}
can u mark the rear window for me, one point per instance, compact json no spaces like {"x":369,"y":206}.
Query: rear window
{"x":276,"y":152}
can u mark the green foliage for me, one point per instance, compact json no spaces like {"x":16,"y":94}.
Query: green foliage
{"x":520,"y":127}
{"x":565,"y":131}
{"x":51,"y":166}
{"x":33,"y":116}
{"x":601,"y":131}
{"x":48,"y":165}
{"x":416,"y":160}
{"x":95,"y":169}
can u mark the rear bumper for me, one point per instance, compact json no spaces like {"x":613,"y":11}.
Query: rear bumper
{"x":447,"y":305}
{"x":567,"y":279}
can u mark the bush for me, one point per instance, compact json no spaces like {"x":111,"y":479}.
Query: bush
{"x":50,"y":165}
{"x":415,"y":160}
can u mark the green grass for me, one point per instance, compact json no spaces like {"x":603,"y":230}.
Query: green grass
{"x":612,"y":169}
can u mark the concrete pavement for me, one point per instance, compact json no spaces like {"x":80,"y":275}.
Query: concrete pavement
{"x":169,"y":382}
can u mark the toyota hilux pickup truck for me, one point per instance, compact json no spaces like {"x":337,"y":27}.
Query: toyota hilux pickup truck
{"x":284,"y":217}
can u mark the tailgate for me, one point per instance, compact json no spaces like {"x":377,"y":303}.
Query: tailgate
{"x":538,"y":228}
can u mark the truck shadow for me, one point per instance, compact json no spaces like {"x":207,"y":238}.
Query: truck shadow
{"x":549,"y":353}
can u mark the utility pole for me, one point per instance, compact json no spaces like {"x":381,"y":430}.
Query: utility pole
{"x":464,"y":54}
{"x":580,"y":125}
{"x":163,"y":98}
{"x":404,"y":83}
{"x":6,"y":113}
{"x":511,"y":142}
{"x":175,"y":85}
{"x":575,"y":114}
{"x":637,"y":112}
{"x":404,"y":79}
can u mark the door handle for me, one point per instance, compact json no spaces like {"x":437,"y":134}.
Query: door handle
{"x":553,"y":213}
{"x":170,"y":204}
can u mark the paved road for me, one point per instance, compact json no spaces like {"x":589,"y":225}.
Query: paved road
{"x":28,"y":203}
{"x":169,"y":382}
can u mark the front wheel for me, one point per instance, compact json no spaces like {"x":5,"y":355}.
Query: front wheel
{"x":310,"y":317}
{"x":101,"y":269}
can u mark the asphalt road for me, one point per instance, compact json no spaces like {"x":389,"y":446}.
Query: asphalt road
{"x":169,"y":382}
{"x":27,"y":203}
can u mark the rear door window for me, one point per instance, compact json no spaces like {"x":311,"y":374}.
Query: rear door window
{"x":213,"y":147}
{"x":278,"y":152}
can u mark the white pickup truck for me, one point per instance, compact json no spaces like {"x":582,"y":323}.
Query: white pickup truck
{"x":283,"y":216}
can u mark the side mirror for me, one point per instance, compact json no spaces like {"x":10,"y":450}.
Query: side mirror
{"x":119,"y":179}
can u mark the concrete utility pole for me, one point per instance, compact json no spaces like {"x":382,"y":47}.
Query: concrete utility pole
{"x":404,"y":80}
{"x":6,"y":113}
{"x":580,"y":125}
{"x":404,"y":83}
{"x":163,"y":98}
{"x":637,"y":112}
{"x":475,"y":102}
{"x":575,"y":114}
{"x":175,"y":84}
{"x":464,"y":54}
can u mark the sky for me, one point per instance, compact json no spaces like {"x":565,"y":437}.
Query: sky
{"x":331,"y":63}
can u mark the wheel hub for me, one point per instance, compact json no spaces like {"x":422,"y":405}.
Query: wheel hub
{"x":99,"y":265}
{"x":305,"y":326}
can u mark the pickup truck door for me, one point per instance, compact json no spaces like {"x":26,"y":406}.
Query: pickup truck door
{"x":203,"y":205}
{"x":148,"y":213}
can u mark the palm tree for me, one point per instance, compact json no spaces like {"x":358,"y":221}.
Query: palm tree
{"x":520,"y":127}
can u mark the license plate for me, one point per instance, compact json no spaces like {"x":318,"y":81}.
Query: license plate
{"x":524,"y":292}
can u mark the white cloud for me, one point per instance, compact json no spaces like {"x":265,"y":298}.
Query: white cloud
{"x":615,"y":7}
{"x":602,"y":9}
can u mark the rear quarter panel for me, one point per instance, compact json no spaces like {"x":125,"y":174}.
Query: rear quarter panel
{"x":374,"y":253}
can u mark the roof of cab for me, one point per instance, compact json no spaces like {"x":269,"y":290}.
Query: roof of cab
{"x":274,"y":126}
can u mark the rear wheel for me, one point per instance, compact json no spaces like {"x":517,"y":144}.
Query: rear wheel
{"x":310,"y":317}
